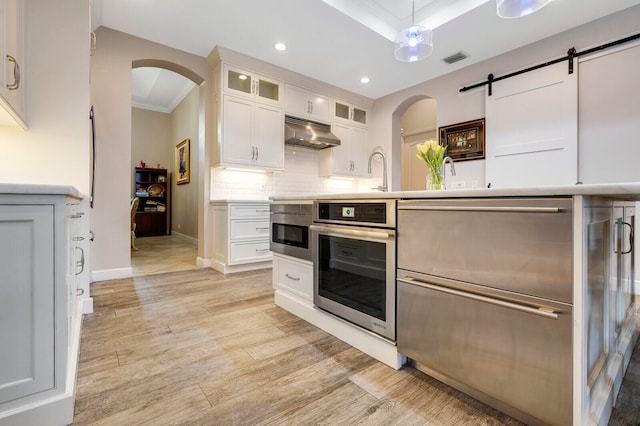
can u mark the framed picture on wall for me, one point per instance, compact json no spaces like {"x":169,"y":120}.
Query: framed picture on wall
{"x":182,"y":162}
{"x":464,"y":141}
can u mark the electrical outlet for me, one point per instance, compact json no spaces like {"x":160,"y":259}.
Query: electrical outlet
{"x":458,"y":185}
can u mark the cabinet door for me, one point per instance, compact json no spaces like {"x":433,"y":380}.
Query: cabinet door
{"x":268,"y":136}
{"x":236,"y":131}
{"x":358,"y":151}
{"x":306,"y":104}
{"x":12,"y":35}
{"x":350,"y":114}
{"x":338,"y":157}
{"x":294,"y":277}
{"x":27,"y":316}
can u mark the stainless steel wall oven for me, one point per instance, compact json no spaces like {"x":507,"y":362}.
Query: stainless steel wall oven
{"x":354,"y":262}
{"x":290,"y":222}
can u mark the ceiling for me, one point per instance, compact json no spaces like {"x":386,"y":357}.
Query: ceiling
{"x":341,"y":41}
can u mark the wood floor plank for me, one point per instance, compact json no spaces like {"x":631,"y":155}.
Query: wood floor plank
{"x":197,"y":347}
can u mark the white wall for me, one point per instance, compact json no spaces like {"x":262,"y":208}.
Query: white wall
{"x":454,"y":107}
{"x":56,"y":147}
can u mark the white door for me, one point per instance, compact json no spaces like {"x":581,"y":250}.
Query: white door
{"x":532,"y":129}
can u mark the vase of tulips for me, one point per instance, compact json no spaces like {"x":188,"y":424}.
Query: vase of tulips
{"x":432,"y":154}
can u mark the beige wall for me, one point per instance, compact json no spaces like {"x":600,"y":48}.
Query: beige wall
{"x":184,"y":204}
{"x":150,"y":140}
{"x":453,"y":107}
{"x":56,"y":147}
{"x":111,"y":96}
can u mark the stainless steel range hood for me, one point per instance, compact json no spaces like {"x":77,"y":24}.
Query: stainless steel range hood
{"x":308,"y":134}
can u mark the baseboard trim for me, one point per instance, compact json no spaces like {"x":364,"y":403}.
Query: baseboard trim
{"x":184,"y":237}
{"x":87,"y":305}
{"x":111,"y":274}
{"x":203,"y":263}
{"x":244,"y":267}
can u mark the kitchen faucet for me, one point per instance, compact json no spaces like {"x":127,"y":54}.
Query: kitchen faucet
{"x":382,"y":188}
{"x":444,"y":172}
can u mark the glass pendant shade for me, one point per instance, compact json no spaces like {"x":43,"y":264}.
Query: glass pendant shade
{"x":518,"y":8}
{"x":413,"y":44}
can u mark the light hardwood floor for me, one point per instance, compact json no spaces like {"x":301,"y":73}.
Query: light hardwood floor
{"x":196,"y":347}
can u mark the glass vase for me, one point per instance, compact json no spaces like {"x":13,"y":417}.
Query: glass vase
{"x":434,"y":179}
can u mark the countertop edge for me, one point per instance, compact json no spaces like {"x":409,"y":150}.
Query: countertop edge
{"x":39,"y":189}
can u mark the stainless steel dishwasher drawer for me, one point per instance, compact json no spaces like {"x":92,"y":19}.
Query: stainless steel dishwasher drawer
{"x":522,"y":244}
{"x":500,"y":348}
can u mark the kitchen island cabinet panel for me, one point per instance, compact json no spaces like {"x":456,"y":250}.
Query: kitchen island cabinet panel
{"x":26,"y":300}
{"x":44,"y":289}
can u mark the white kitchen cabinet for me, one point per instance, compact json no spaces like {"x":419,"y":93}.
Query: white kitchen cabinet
{"x":41,"y":305}
{"x":348,"y":159}
{"x":241,"y":236}
{"x":252,"y":134}
{"x":349,"y":114}
{"x":12,"y":73}
{"x":252,"y":86}
{"x":303,"y":103}
{"x":294,"y":276}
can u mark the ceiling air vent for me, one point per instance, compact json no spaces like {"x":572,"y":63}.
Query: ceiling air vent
{"x":455,"y":57}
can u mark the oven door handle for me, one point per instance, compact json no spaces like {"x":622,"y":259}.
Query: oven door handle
{"x":349,"y":232}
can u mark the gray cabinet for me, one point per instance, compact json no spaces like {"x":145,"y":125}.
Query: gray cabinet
{"x":43,"y":293}
{"x":27,"y":273}
{"x":12,"y":73}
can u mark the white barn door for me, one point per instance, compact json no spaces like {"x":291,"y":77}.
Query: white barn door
{"x":532,"y":129}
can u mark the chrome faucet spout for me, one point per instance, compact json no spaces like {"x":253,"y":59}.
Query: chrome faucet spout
{"x":384,"y":187}
{"x":444,"y":174}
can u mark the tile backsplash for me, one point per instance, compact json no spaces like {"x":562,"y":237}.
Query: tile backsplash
{"x":300,"y":177}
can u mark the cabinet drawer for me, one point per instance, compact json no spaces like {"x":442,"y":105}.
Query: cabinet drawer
{"x":249,"y":211}
{"x":249,"y":229}
{"x":250,"y":251}
{"x":294,"y":277}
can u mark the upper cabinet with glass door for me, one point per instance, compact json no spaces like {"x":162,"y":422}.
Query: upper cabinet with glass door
{"x":252,"y":85}
{"x":350,"y":114}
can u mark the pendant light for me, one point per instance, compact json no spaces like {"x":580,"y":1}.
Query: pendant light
{"x":414,"y":43}
{"x":518,"y":8}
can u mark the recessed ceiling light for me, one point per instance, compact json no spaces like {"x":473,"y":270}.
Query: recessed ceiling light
{"x":280,"y":46}
{"x":364,"y":80}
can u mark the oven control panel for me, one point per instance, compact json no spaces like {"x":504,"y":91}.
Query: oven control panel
{"x":348,"y":212}
{"x":380,"y":213}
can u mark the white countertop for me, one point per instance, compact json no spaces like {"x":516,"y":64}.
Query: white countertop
{"x":622,"y":191}
{"x":38,"y":189}
{"x":222,"y":201}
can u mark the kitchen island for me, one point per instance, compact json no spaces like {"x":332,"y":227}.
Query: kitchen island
{"x":601,"y":313}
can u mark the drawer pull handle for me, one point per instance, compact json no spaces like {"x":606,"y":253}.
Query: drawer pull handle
{"x":79,"y":291}
{"x":292,"y":278}
{"x":540,"y":311}
{"x":497,"y":209}
{"x":261,"y":250}
{"x":263,"y":229}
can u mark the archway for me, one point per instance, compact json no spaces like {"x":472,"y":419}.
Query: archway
{"x":414,"y":121}
{"x":183,"y":118}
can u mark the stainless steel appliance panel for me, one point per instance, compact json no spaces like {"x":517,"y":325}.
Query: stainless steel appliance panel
{"x":510,"y":352}
{"x":522,"y":245}
{"x":290,"y":234}
{"x":354,"y":275}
